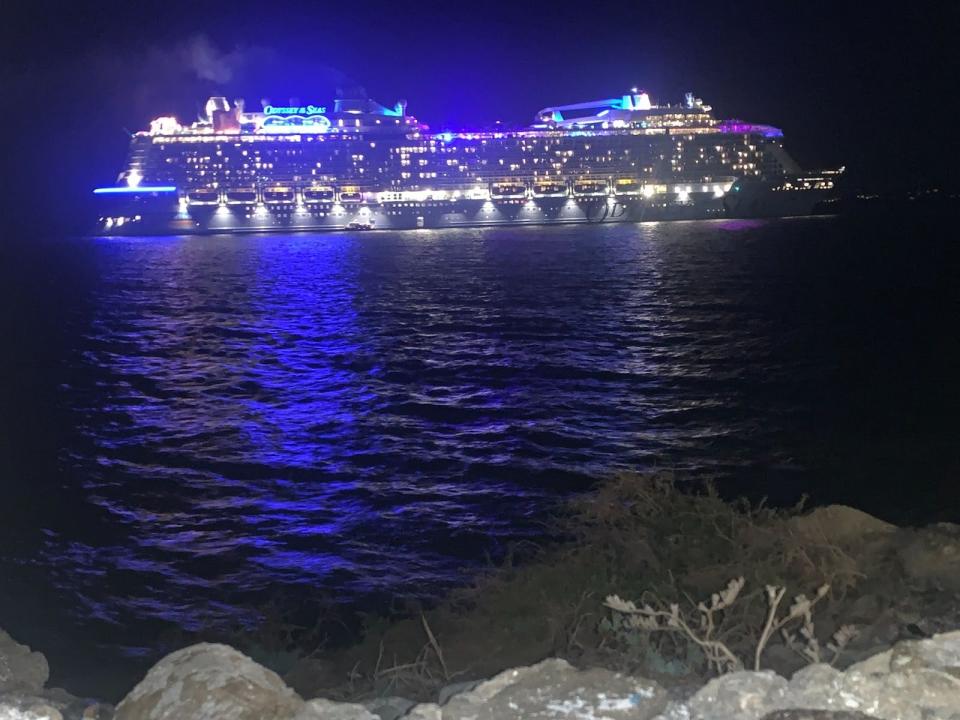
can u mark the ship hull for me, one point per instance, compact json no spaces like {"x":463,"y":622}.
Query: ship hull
{"x":167,"y":220}
{"x":763,"y":200}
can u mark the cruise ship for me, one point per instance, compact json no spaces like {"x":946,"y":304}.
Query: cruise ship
{"x":359,"y":165}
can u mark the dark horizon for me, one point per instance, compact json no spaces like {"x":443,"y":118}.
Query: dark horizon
{"x":866,"y":91}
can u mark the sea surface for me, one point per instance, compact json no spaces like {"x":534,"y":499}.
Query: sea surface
{"x":195,"y":426}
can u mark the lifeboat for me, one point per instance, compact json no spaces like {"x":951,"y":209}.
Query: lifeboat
{"x":203,"y":196}
{"x":241,"y":196}
{"x":318,"y":194}
{"x":549,"y":189}
{"x":508,"y":190}
{"x":590,"y":188}
{"x":626,"y":186}
{"x":282,"y":195}
{"x":350,"y":194}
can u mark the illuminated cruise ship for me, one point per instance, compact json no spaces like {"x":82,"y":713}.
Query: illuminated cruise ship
{"x":362,"y":165}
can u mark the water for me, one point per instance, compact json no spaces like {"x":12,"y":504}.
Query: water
{"x":194,"y":425}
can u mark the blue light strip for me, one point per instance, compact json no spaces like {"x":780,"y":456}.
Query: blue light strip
{"x":139,"y":189}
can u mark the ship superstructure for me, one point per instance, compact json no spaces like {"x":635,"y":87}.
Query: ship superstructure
{"x":366,"y":165}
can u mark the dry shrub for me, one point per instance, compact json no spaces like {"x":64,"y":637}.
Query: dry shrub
{"x":671,"y":546}
{"x":637,"y":536}
{"x":703,"y":626}
{"x":667,"y":539}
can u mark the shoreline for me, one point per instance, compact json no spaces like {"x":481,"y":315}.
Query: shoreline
{"x":643,"y":539}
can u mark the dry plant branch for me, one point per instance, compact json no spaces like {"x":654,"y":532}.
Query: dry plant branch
{"x":435,"y":645}
{"x":648,"y":618}
{"x":800,"y":610}
{"x":653,"y":618}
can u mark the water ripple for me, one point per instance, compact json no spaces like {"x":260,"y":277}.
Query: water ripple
{"x":371,"y":414}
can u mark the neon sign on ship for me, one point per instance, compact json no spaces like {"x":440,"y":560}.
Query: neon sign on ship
{"x":295,"y":110}
{"x":296,"y":123}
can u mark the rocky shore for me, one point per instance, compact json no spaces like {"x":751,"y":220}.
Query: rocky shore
{"x":914,"y":680}
{"x":658,"y":605}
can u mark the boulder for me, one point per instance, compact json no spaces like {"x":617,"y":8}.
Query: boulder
{"x":931,"y":556}
{"x":878,"y":664}
{"x":425,"y":711}
{"x":321,"y":709}
{"x":21,"y":670}
{"x":816,"y":715}
{"x":555,"y":689}
{"x":738,"y":696}
{"x":915,"y":680}
{"x":53,"y":703}
{"x":941,"y":652}
{"x":209,"y":682}
{"x":389,"y":708}
{"x":915,"y":695}
{"x":839,"y":524}
{"x":448,"y":691}
{"x":13,"y":707}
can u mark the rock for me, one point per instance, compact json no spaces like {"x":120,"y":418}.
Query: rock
{"x":816,"y":715}
{"x":389,"y":708}
{"x":21,"y":670}
{"x":818,"y":687}
{"x":448,"y":691}
{"x":941,"y":652}
{"x":555,"y":689}
{"x":916,"y":680}
{"x":839,"y":524}
{"x":879,"y":664}
{"x":916,"y":695}
{"x":931,"y":556}
{"x":23,"y":707}
{"x":209,"y":682}
{"x":47,"y":712}
{"x":97,"y":711}
{"x":739,"y":696}
{"x":321,"y":709}
{"x":424,"y":711}
{"x":55,"y":703}
{"x":874,"y":634}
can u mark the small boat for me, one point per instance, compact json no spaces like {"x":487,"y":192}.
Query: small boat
{"x":319,"y":194}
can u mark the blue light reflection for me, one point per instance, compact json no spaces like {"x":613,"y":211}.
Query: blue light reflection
{"x":134,"y":190}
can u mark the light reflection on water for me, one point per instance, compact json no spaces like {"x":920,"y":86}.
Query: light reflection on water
{"x":368,"y":415}
{"x":363,"y":413}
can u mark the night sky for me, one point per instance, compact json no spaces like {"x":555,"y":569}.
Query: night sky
{"x":850,"y":83}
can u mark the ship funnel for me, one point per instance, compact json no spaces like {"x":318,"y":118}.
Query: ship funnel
{"x":215,"y":104}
